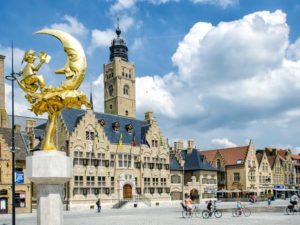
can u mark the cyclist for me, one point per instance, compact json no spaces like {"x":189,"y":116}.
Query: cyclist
{"x":209,"y":206}
{"x":239,"y":206}
{"x":188,"y":203}
{"x":294,"y":200}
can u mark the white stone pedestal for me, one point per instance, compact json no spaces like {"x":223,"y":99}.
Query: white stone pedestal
{"x":49,"y":170}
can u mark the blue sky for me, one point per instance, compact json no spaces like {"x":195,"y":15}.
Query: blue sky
{"x":220,"y":72}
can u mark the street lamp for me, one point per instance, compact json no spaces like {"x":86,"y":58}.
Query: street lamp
{"x":12,"y":78}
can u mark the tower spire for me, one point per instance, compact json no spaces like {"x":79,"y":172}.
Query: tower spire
{"x":118,"y":30}
{"x":91,"y":96}
{"x":118,"y":46}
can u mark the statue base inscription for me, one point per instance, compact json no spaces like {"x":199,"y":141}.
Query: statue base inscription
{"x":49,"y":171}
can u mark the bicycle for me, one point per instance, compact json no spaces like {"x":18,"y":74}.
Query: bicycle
{"x":239,"y":212}
{"x":290,"y":209}
{"x":216,"y":212}
{"x":186,"y":213}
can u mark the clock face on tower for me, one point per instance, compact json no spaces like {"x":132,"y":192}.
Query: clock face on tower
{"x":111,"y":90}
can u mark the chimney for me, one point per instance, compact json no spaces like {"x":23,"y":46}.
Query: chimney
{"x":30,"y":125}
{"x":149,"y":117}
{"x":180,"y":145}
{"x":191,"y":144}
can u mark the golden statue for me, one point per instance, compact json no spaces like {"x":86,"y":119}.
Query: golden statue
{"x":54,"y":100}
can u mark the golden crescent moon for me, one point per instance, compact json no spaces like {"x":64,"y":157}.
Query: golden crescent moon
{"x":75,"y":66}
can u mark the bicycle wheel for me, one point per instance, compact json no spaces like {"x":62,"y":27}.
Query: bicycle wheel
{"x":197,"y":212}
{"x":185,"y":214}
{"x":289,"y":210}
{"x":218,"y":213}
{"x":205,"y":214}
{"x":235,"y":213}
{"x":247,"y":212}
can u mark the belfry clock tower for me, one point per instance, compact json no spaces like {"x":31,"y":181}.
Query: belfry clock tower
{"x":119,"y":80}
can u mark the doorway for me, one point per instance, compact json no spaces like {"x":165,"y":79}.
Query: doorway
{"x":3,"y":205}
{"x":127,"y":192}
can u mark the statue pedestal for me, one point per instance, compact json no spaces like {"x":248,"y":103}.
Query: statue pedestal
{"x":49,"y":171}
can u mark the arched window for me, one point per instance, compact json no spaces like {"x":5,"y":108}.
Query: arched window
{"x":126,"y":90}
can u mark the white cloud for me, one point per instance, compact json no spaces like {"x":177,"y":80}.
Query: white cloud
{"x":126,"y":22}
{"x":101,"y":38}
{"x":233,"y":50}
{"x":122,"y":5}
{"x":72,"y":26}
{"x":221,"y":3}
{"x":152,"y":95}
{"x":223,"y":143}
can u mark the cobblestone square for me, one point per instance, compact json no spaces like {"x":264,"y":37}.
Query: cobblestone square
{"x":156,"y":216}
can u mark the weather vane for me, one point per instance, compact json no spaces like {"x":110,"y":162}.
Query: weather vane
{"x":53,"y":100}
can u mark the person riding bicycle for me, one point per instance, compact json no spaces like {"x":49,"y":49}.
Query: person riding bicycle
{"x":188,"y":203}
{"x":209,"y":206}
{"x":294,"y":200}
{"x":239,"y":206}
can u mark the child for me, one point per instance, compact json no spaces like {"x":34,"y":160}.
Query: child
{"x":30,"y":78}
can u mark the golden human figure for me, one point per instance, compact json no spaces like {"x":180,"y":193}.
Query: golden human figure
{"x":31,"y":80}
{"x":54,"y":100}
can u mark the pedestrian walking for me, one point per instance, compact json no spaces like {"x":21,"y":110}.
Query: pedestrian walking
{"x":269,"y":202}
{"x":98,"y":204}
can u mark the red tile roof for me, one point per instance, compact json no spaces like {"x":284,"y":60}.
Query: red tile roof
{"x":282,"y":153}
{"x":294,"y":156}
{"x":231,"y":156}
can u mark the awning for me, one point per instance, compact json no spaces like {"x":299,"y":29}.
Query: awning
{"x":276,"y":189}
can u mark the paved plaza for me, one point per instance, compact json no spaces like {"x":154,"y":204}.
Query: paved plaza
{"x":161,"y":215}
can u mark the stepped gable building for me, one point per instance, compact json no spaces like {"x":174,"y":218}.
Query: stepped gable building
{"x":265,"y":174}
{"x":282,"y":171}
{"x":22,"y":184}
{"x":116,"y":157}
{"x":191,"y":174}
{"x":238,"y":169}
{"x":296,"y":168}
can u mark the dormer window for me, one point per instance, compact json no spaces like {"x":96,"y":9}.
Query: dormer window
{"x":116,"y":126}
{"x":129,"y":128}
{"x":101,"y":122}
